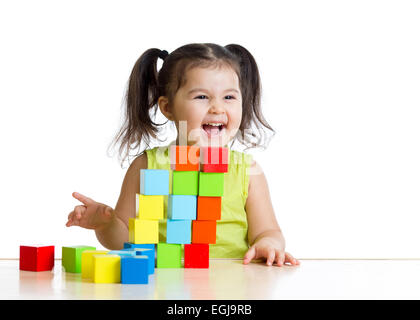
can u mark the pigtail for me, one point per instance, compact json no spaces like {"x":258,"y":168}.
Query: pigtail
{"x":140,"y":105}
{"x":252,"y":117}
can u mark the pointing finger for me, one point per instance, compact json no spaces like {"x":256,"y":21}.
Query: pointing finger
{"x":85,"y":200}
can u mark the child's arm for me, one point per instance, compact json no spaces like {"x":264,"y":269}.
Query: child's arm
{"x":264,"y":234}
{"x":111,"y":225}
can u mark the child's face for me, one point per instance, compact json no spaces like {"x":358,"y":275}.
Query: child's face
{"x":210,"y":104}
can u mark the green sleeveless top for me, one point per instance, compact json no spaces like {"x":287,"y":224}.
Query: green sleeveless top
{"x":232,"y":229}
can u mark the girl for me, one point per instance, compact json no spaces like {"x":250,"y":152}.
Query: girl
{"x":212,"y":94}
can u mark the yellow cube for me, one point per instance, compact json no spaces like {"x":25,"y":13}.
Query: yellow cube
{"x":143,"y":231}
{"x":87,"y":262}
{"x":149,"y":207}
{"x":106,"y":268}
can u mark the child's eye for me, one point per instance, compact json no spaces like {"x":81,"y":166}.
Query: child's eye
{"x":200,"y":97}
{"x":232,"y":97}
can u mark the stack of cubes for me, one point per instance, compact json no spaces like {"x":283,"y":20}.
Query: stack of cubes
{"x":194,"y":205}
{"x":182,"y":205}
{"x":143,"y":231}
{"x":213,"y":166}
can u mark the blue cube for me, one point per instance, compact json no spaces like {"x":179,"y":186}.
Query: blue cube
{"x":154,"y":182}
{"x":128,"y":245}
{"x":178,"y":231}
{"x":150,"y":253}
{"x":134,"y":270}
{"x":182,"y":207}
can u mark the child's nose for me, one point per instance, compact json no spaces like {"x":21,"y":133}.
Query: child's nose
{"x":216,"y":108}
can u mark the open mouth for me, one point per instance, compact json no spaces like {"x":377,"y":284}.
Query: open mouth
{"x":213,"y":128}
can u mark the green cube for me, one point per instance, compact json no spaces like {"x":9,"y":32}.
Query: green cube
{"x":211,"y":184}
{"x":185,"y":182}
{"x":168,"y":255}
{"x":71,"y":258}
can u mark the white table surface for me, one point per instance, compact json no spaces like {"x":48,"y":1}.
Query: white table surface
{"x":229,"y":279}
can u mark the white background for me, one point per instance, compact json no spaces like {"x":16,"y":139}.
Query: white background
{"x":340,"y":86}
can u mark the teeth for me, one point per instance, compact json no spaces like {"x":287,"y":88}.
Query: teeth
{"x":214,"y":124}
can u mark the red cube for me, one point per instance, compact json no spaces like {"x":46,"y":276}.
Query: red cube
{"x":196,"y":256}
{"x":214,"y":159}
{"x":36,"y":258}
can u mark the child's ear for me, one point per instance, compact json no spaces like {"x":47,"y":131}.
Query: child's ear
{"x":163,"y":103}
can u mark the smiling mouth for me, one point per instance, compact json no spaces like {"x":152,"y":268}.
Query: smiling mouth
{"x":213,"y":129}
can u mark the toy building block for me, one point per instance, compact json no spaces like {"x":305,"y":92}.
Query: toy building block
{"x":209,"y":208}
{"x":143,"y":231}
{"x":72,"y":258}
{"x":196,"y":255}
{"x":150,"y":207}
{"x":182,"y":207}
{"x":178,"y":231}
{"x":150,"y":253}
{"x":185,"y":158}
{"x":211,"y":184}
{"x":134,"y":270}
{"x":36,"y":258}
{"x":168,"y":255}
{"x":185,"y":182}
{"x":214,"y":159}
{"x":106,"y":268}
{"x":128,"y":245}
{"x":204,"y":231}
{"x":87,"y":262}
{"x":154,"y":182}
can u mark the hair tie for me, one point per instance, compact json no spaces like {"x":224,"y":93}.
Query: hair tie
{"x":163,"y":54}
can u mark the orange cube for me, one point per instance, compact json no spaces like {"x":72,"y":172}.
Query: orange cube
{"x":209,"y":208}
{"x":185,"y":158}
{"x":204,"y":231}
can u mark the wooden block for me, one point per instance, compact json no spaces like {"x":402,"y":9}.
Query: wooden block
{"x":185,"y":158}
{"x":72,"y":258}
{"x":178,"y":231}
{"x":203,"y":231}
{"x":214,"y":159}
{"x":87,"y":262}
{"x":134,"y":269}
{"x":182,"y":207}
{"x":211,"y":184}
{"x":185,"y":182}
{"x":168,"y":255}
{"x":209,"y":208}
{"x":149,"y":252}
{"x":154,"y":182}
{"x":143,"y":231}
{"x":196,"y":255}
{"x":36,"y":258}
{"x":150,"y":207}
{"x":106,"y":268}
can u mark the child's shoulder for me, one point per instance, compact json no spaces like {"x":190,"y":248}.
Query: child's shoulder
{"x":140,"y":162}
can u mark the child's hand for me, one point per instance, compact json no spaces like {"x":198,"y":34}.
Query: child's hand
{"x":271,"y":250}
{"x":90,"y":215}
